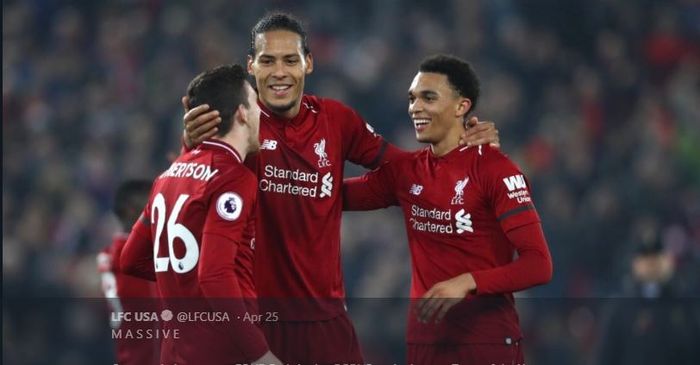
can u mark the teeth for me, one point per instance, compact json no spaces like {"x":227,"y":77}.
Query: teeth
{"x":419,"y":122}
{"x":280,"y":87}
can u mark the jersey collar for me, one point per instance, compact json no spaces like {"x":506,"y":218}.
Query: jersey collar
{"x":448,"y":156}
{"x":218,"y":144}
{"x":304,"y":109}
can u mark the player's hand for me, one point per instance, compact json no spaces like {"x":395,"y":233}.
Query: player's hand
{"x":479,"y":133}
{"x":444,"y":295}
{"x":200,"y":123}
{"x":268,"y":359}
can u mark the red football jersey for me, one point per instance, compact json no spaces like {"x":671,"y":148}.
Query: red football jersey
{"x":300,"y":172}
{"x":126,"y":293}
{"x":458,"y":209}
{"x":200,"y":216}
{"x":127,"y":285}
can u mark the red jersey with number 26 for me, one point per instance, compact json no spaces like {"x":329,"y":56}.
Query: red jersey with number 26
{"x":459,"y":210}
{"x":194,"y":231}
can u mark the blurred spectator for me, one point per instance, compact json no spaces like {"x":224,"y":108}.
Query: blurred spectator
{"x":648,"y":326}
{"x":126,"y":293}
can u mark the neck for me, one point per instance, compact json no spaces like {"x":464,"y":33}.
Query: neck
{"x":447,"y":144}
{"x":238,"y":141}
{"x":287,"y":113}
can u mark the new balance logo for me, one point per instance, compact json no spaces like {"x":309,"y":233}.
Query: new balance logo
{"x":515,"y":182}
{"x":463,"y":222}
{"x":416,"y":189}
{"x":326,"y":185}
{"x":269,"y":144}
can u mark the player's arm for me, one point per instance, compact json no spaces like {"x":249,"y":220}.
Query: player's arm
{"x":373,"y":190}
{"x":361,"y":144}
{"x":219,"y":284}
{"x":507,"y":190}
{"x":136,"y":258}
{"x":364,"y":147}
{"x":117,"y":248}
{"x":532,"y":267}
{"x":227,"y":219}
{"x":245,"y":259}
{"x":108,"y":282}
{"x":104,"y":268}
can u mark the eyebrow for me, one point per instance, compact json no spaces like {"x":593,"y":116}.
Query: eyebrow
{"x":289,"y":55}
{"x":424,"y":93}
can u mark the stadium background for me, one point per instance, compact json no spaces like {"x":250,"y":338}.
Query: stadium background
{"x":598,"y":101}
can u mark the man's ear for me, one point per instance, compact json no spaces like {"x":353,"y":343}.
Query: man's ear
{"x":464,"y":106}
{"x":309,"y":63}
{"x":241,"y":115}
{"x":250,"y":64}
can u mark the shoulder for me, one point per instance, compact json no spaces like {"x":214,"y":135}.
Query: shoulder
{"x":119,"y":239}
{"x":232,"y":174}
{"x":328,"y":105}
{"x":495,"y":168}
{"x":489,"y":158}
{"x":234,"y":192}
{"x":238,"y":171}
{"x":413,"y":156}
{"x":406,"y":159}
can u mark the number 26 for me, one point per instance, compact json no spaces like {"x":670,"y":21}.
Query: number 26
{"x":174,"y":230}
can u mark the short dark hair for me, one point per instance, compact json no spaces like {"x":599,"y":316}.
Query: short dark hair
{"x":278,"y":21}
{"x":129,"y":200}
{"x":223,"y":89}
{"x":460,"y":75}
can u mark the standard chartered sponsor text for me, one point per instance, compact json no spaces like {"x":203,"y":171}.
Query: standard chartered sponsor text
{"x":434,"y":213}
{"x":430,"y":227}
{"x":296,"y":175}
{"x":425,"y":225}
{"x":293,"y":182}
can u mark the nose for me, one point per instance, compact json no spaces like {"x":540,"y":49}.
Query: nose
{"x":279,"y":71}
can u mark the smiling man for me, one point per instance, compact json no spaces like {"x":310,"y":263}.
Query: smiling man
{"x":467,"y":210}
{"x":280,"y":69}
{"x":305,"y":141}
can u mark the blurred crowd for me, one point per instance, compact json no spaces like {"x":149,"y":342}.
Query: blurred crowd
{"x":598,"y":101}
